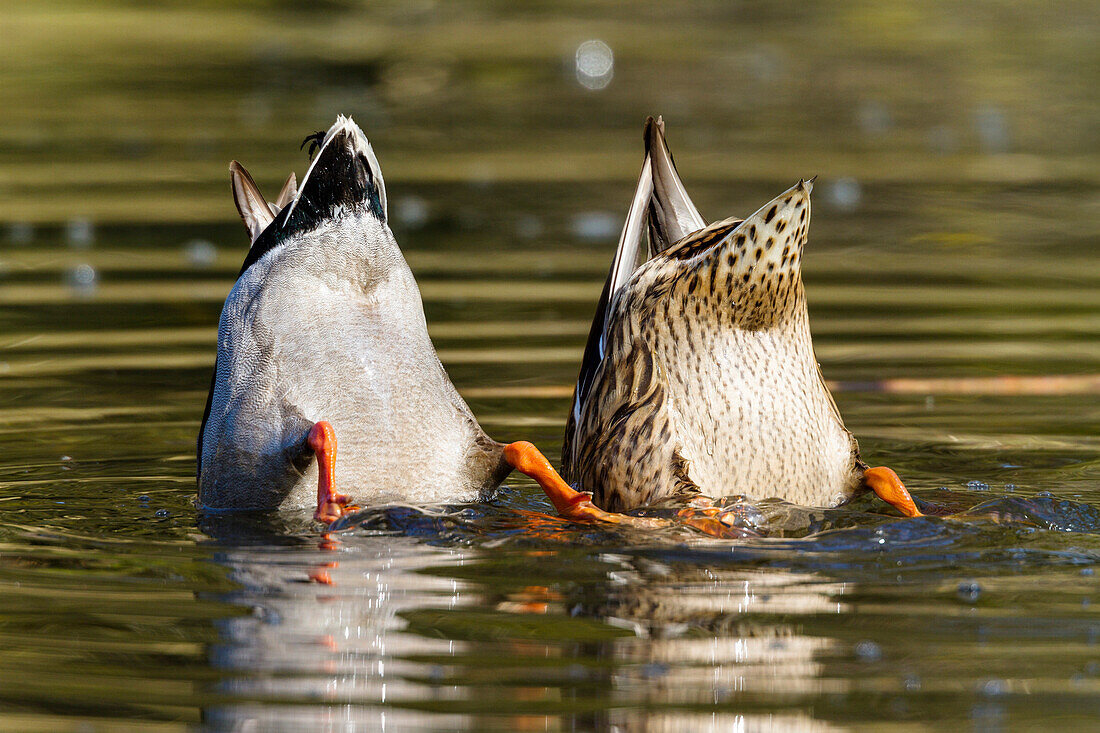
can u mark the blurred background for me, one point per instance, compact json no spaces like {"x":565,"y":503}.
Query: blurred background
{"x":129,"y":112}
{"x":954,"y":290}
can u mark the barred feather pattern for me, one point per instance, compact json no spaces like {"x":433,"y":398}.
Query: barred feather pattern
{"x":709,"y":381}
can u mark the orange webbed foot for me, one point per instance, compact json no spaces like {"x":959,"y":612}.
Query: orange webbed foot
{"x":576,"y":506}
{"x":886,"y":484}
{"x":330,"y":504}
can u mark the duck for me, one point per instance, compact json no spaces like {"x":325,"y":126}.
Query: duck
{"x":323,"y":334}
{"x":699,"y":377}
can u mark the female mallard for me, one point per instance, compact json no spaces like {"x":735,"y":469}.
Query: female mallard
{"x":324,"y":333}
{"x":699,"y":376}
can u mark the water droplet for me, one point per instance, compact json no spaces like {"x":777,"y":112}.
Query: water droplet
{"x":595,"y":64}
{"x":596,"y":225}
{"x":969,"y":591}
{"x":528,"y":226}
{"x":200,"y":253}
{"x":161,"y":513}
{"x":868,"y":651}
{"x":411,"y":212}
{"x":80,"y":232}
{"x":977,"y":486}
{"x":82,"y":280}
{"x":845,"y":194}
{"x":992,"y":688}
{"x":20,"y":232}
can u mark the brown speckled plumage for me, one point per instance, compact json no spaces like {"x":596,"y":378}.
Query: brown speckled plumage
{"x":706,"y":379}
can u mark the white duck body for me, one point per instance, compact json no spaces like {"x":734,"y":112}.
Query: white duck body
{"x":328,"y":324}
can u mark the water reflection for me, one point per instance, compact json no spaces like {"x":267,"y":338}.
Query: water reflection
{"x":410,"y":636}
{"x":306,"y":642}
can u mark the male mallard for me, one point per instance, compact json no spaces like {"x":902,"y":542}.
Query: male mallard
{"x":699,"y":376}
{"x":324,"y":333}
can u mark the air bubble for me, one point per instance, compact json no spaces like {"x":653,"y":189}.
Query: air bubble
{"x":596,"y":225}
{"x":80,"y":232}
{"x":82,"y":280}
{"x":977,"y":486}
{"x":845,"y":194}
{"x":868,"y":651}
{"x":595,"y":64}
{"x":969,"y":591}
{"x":20,"y":232}
{"x":200,"y":253}
{"x":412,"y":212}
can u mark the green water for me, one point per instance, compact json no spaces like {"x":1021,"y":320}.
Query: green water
{"x":953,"y":285}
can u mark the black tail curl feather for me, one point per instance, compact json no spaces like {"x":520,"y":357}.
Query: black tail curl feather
{"x":316,"y":140}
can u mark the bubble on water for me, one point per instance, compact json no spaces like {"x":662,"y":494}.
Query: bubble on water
{"x":991,"y":124}
{"x":929,"y":403}
{"x":411,"y":212}
{"x":1088,"y":572}
{"x":992,"y":688}
{"x":596,"y":225}
{"x":143,"y":497}
{"x":161,"y":513}
{"x":969,"y":591}
{"x":529,"y":226}
{"x":873,"y":117}
{"x":1043,"y":495}
{"x":20,"y":232}
{"x":200,"y":253}
{"x":65,"y":458}
{"x":977,"y":486}
{"x":1011,"y":487}
{"x":911,"y":683}
{"x":845,"y":194}
{"x":868,"y":651}
{"x":82,"y":280}
{"x":80,"y":232}
{"x":595,"y":64}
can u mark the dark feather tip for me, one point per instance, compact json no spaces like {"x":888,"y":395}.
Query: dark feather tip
{"x":315,"y":141}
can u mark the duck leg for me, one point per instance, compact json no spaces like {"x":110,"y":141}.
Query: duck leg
{"x":330,"y":505}
{"x":886,"y":484}
{"x":577,"y":506}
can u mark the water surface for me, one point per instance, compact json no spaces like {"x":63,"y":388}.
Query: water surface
{"x":953,"y":288}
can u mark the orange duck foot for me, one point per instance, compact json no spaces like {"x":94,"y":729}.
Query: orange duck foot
{"x":886,"y":484}
{"x":330,"y":505}
{"x":577,"y":506}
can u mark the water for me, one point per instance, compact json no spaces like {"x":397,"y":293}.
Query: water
{"x":952,"y":281}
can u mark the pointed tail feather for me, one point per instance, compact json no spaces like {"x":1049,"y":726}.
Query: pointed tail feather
{"x":672,"y":215}
{"x":251,"y":205}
